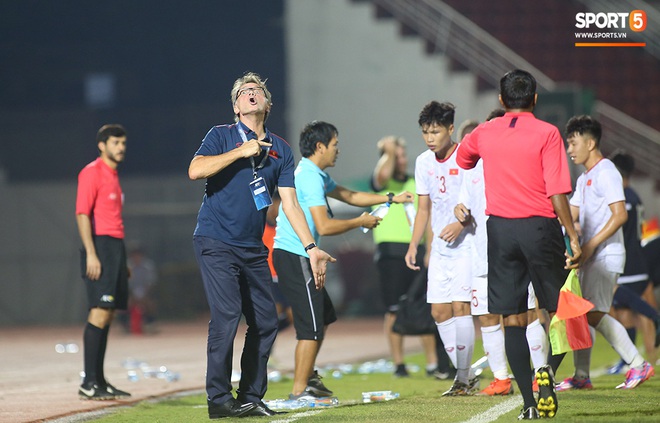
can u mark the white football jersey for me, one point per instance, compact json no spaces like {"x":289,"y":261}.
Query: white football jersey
{"x":441,"y":181}
{"x":473,"y":196}
{"x":595,"y":190}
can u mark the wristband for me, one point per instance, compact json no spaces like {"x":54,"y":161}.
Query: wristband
{"x":390,"y":197}
{"x":310,"y":246}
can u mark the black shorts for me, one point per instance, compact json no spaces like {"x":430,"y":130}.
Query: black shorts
{"x":636,"y":287}
{"x":111,"y":289}
{"x":312,"y":308}
{"x":651,"y":253}
{"x":520,"y":249}
{"x":395,"y":277}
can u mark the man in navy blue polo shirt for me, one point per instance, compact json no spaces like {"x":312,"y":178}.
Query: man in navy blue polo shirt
{"x":243,"y":163}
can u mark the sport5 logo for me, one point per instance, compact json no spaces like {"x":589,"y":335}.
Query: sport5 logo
{"x":636,"y":20}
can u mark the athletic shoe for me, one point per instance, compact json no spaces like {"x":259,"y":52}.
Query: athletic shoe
{"x":619,"y":367}
{"x":117,"y":393}
{"x":442,"y":375}
{"x":458,"y":389}
{"x":316,"y":387}
{"x":498,"y":387}
{"x":547,"y":402}
{"x":636,"y":377}
{"x":573,"y":383}
{"x":529,"y":413}
{"x":303,"y":396}
{"x":92,"y":391}
{"x":535,"y":386}
{"x":401,"y":371}
{"x":473,"y":385}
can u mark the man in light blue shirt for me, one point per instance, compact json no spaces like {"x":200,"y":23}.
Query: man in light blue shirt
{"x":309,"y":181}
{"x":311,"y":306}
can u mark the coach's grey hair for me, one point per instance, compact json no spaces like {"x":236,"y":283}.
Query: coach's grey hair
{"x":250,"y":77}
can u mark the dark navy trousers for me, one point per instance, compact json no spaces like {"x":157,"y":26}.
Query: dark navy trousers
{"x":237,"y":280}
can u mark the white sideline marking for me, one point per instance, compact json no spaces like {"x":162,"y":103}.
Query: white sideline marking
{"x":493,"y":413}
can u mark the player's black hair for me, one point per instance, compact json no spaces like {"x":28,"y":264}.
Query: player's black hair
{"x":315,"y":132}
{"x":586,"y":126}
{"x":438,"y":113}
{"x":499,"y":112}
{"x":625,"y":163}
{"x":518,"y":88}
{"x":110,"y":130}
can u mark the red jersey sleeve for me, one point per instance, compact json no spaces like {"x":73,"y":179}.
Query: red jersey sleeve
{"x":467,"y":155}
{"x":87,"y":190}
{"x":555,"y":166}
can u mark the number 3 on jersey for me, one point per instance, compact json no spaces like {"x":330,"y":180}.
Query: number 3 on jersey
{"x":441,"y":184}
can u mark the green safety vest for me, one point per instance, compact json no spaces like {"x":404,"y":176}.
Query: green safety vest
{"x":394,"y":226}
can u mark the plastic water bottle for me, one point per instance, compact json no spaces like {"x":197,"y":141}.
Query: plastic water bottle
{"x":169,"y":376}
{"x":132,"y":375}
{"x":411,"y":213}
{"x":479,"y":365}
{"x":377,"y":396}
{"x":380,"y":211}
{"x":295,"y":404}
{"x":323,"y":402}
{"x":346,"y":368}
{"x":150,"y":372}
{"x":69,"y":347}
{"x":277,"y":404}
{"x":275,"y":376}
{"x":133,"y":363}
{"x":160,"y":373}
{"x":366,"y":368}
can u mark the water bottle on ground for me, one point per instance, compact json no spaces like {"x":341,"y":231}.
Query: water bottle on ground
{"x":377,"y":396}
{"x":295,"y":404}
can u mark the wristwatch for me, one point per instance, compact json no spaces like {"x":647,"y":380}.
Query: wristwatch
{"x":390,"y":197}
{"x":310,"y":246}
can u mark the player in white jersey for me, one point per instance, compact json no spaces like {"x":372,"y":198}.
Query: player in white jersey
{"x":598,"y":203}
{"x":472,"y":203}
{"x":438,"y":179}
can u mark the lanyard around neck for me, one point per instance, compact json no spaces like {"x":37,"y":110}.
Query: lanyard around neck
{"x":263,"y":161}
